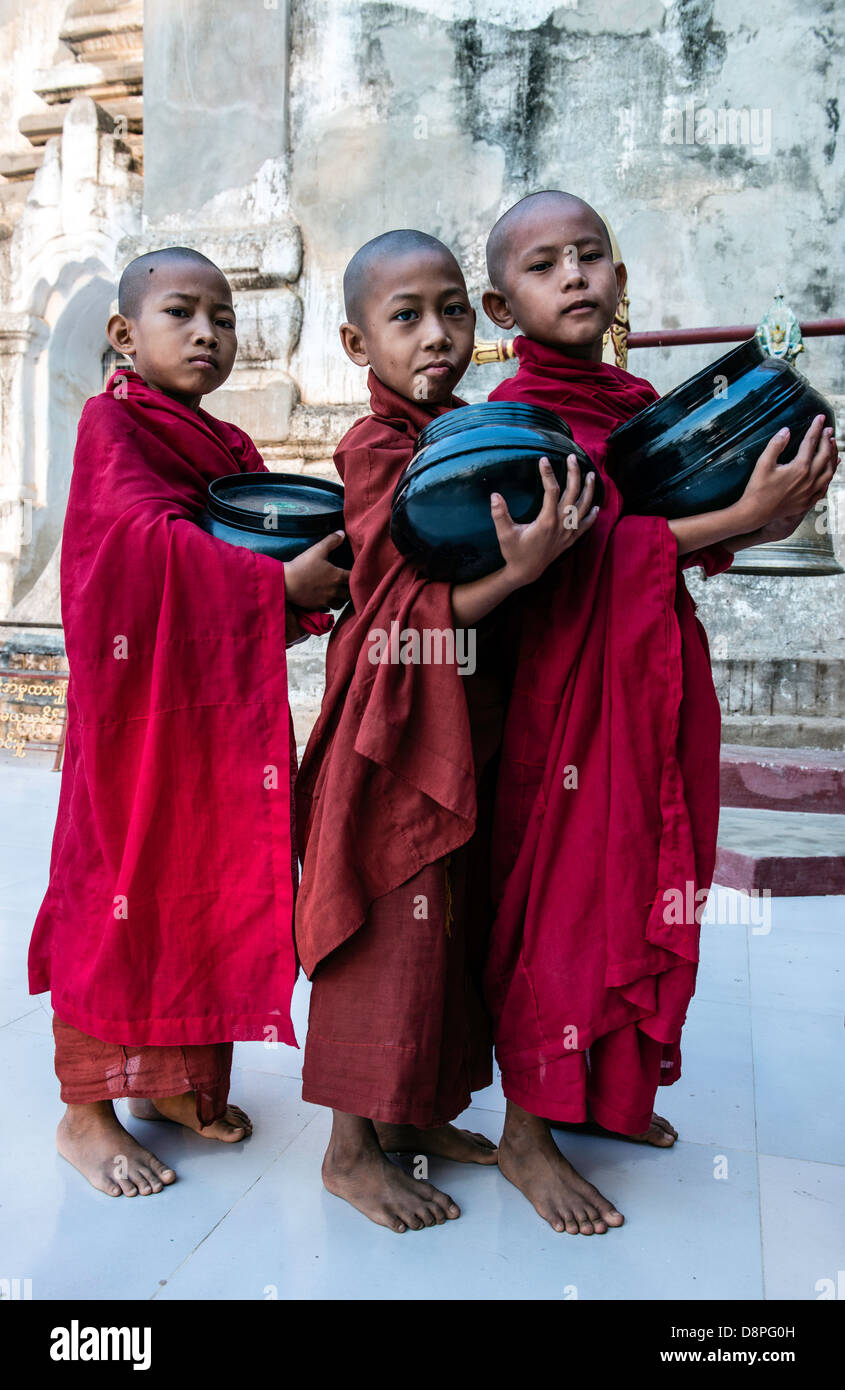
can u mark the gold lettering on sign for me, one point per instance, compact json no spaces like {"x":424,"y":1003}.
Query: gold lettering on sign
{"x":42,"y":724}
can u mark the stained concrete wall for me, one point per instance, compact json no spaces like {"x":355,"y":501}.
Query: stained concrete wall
{"x":439,"y":116}
{"x":215,"y":89}
{"x":440,"y":113}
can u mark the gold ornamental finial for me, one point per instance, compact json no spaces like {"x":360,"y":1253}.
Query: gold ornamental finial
{"x":492,"y":350}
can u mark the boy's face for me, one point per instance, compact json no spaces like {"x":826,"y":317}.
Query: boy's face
{"x":560,"y":284}
{"x":418,"y":327}
{"x":183,"y":340}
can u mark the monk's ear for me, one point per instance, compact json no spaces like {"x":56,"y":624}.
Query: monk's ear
{"x":120,"y":332}
{"x":621,"y":278}
{"x":496,"y":307}
{"x":354,"y":345}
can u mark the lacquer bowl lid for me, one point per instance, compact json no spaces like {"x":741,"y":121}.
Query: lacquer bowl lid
{"x":441,"y":507}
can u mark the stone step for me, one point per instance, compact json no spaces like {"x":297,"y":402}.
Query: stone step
{"x":16,"y":167}
{"x":104,"y":28}
{"x":786,"y":779}
{"x":44,"y":125}
{"x":784,"y":730}
{"x":113,"y":78}
{"x":786,"y":853}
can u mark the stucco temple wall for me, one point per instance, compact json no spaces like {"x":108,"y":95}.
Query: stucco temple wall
{"x":280,"y":136}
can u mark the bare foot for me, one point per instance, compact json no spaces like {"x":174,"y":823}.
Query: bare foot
{"x":182,"y":1110}
{"x":660,"y":1133}
{"x":356,"y":1169}
{"x":530,"y":1159}
{"x":92,"y":1138}
{"x":460,"y":1145}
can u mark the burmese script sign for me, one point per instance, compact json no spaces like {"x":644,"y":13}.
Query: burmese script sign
{"x":33,"y":709}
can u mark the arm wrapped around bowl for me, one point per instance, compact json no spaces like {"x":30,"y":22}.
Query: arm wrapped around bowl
{"x":694,"y":450}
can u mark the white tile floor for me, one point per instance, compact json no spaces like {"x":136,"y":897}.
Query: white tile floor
{"x":748,"y":1204}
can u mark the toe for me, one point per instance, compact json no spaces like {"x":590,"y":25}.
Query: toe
{"x":664,"y":1124}
{"x":441,"y":1199}
{"x":128,"y":1187}
{"x":596,"y":1220}
{"x":149,"y":1177}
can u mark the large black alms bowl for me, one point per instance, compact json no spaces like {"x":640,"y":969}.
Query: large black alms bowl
{"x":276,"y":514}
{"x":695,"y":449}
{"x":441,"y":507}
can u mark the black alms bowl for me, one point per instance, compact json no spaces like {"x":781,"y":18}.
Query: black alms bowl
{"x":277,"y":514}
{"x":441,"y":507}
{"x":695,"y":449}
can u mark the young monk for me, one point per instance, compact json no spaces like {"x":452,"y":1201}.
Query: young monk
{"x":393,"y":907}
{"x":607,"y":804}
{"x":166,"y":930}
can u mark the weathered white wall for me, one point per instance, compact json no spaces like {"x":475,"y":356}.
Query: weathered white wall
{"x":215,"y":87}
{"x":440,"y":115}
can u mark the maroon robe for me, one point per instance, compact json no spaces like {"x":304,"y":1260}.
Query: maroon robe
{"x":387,"y":806}
{"x":607,"y":804}
{"x":167,"y":927}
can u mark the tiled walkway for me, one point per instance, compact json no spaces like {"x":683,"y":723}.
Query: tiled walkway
{"x":750,"y":1202}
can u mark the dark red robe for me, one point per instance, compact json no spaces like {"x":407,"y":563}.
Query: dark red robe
{"x":168,"y":917}
{"x":386,"y":799}
{"x":607,"y":803}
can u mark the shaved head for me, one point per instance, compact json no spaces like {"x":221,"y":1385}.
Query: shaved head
{"x":373,"y":254}
{"x":500,"y":242}
{"x":144,"y":273}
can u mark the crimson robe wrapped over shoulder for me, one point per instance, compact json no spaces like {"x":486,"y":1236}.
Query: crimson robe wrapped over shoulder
{"x":387,"y":784}
{"x":607,"y":804}
{"x":168,"y":916}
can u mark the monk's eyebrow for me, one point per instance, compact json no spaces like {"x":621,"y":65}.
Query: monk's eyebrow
{"x":193,"y":298}
{"x":411,"y":294}
{"x":573,"y":241}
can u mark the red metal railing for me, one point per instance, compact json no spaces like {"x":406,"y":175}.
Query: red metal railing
{"x":736,"y":333}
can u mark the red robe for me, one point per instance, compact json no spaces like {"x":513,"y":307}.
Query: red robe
{"x":168,"y":916}
{"x":385,"y":799}
{"x":607,"y":804}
